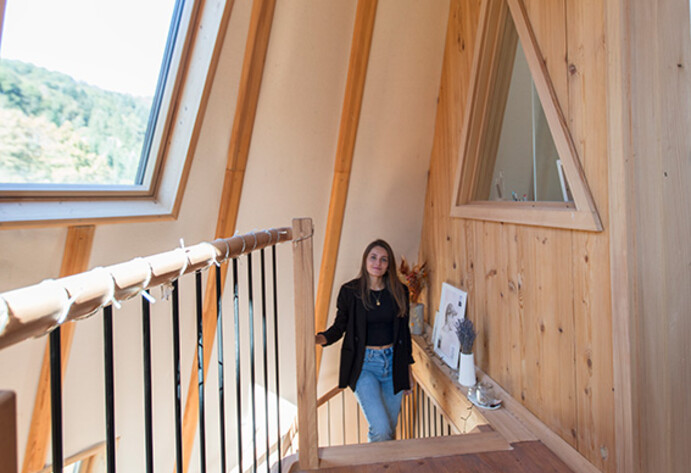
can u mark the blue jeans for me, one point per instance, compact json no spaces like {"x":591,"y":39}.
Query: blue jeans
{"x":374,"y":392}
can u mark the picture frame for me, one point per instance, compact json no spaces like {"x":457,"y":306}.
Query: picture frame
{"x":451,"y":310}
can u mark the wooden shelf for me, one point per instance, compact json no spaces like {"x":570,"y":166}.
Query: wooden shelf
{"x":513,"y":421}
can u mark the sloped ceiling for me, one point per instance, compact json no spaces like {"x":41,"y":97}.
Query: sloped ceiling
{"x":289,"y":174}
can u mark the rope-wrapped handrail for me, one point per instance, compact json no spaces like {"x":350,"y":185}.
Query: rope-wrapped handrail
{"x":35,"y":310}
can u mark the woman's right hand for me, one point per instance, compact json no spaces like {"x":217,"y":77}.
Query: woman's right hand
{"x":320,"y":339}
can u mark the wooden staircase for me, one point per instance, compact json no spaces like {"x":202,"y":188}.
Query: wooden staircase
{"x":522,"y":457}
{"x":483,"y":451}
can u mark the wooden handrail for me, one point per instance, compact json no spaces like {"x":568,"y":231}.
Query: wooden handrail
{"x":328,"y":396}
{"x":36,"y":310}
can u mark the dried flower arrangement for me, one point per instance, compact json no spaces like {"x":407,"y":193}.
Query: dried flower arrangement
{"x":414,"y":277}
{"x":465,"y":330}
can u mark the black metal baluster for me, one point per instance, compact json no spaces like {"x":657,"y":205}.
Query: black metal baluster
{"x":177,"y":376}
{"x":56,"y":398}
{"x":278,"y":396}
{"x":250,"y":296}
{"x":148,"y":416}
{"x":266,"y":361}
{"x":109,"y":372}
{"x":219,"y":343}
{"x":238,"y":393}
{"x":200,"y":370}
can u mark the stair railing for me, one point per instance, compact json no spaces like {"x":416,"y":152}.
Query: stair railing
{"x":43,"y":308}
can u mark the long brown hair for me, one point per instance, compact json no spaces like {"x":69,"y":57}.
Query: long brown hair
{"x":391,"y":281}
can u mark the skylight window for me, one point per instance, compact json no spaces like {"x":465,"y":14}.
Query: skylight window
{"x":80,"y":90}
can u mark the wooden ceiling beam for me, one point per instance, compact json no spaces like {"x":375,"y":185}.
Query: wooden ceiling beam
{"x":75,"y":260}
{"x":238,"y":151}
{"x":350,"y":118}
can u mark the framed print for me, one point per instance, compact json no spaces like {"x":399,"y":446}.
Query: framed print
{"x":451,"y":310}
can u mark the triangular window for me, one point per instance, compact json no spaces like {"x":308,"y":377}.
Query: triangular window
{"x":518,"y":162}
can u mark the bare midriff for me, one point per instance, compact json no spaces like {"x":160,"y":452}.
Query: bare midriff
{"x":382,"y":347}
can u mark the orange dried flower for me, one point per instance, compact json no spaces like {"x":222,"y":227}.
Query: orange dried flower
{"x":415,"y":278}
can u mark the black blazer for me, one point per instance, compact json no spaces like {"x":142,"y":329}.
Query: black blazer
{"x":351,"y":318}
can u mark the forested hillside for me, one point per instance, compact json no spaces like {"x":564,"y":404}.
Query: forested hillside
{"x":54,"y":129}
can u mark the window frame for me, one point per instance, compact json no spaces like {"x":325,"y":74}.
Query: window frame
{"x":491,"y":75}
{"x":183,"y":101}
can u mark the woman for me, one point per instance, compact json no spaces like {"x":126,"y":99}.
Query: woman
{"x":372,"y":311}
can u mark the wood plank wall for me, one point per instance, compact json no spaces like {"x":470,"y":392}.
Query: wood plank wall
{"x":658,"y":50}
{"x":540,"y":297}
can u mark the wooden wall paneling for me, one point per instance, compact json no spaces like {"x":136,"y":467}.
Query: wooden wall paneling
{"x":587,"y":117}
{"x":350,"y":118}
{"x":649,"y":293}
{"x":491,"y":281}
{"x":661,"y":111}
{"x":75,"y":259}
{"x":549,"y":21}
{"x":622,"y":238}
{"x":477,"y":298}
{"x":548,"y":328}
{"x":443,"y":238}
{"x":540,"y":278}
{"x":672,"y":183}
{"x":511,"y":315}
{"x":238,"y":150}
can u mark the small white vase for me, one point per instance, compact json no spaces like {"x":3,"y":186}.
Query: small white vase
{"x":417,"y":318}
{"x":466,"y":373}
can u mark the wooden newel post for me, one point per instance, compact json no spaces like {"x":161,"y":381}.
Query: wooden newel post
{"x":305,"y":350}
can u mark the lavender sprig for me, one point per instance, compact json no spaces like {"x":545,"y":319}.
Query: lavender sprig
{"x":466,"y":335}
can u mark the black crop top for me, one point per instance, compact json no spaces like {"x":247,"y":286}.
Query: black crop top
{"x":380,"y":318}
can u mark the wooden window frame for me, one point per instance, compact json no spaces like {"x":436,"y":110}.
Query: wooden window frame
{"x":490,"y":81}
{"x":184,"y":98}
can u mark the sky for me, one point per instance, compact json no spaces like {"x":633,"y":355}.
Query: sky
{"x":115,"y":45}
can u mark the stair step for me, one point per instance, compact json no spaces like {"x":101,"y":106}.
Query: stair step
{"x":402,"y":450}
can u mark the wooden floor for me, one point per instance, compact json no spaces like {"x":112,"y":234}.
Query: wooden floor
{"x":526,"y":457}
